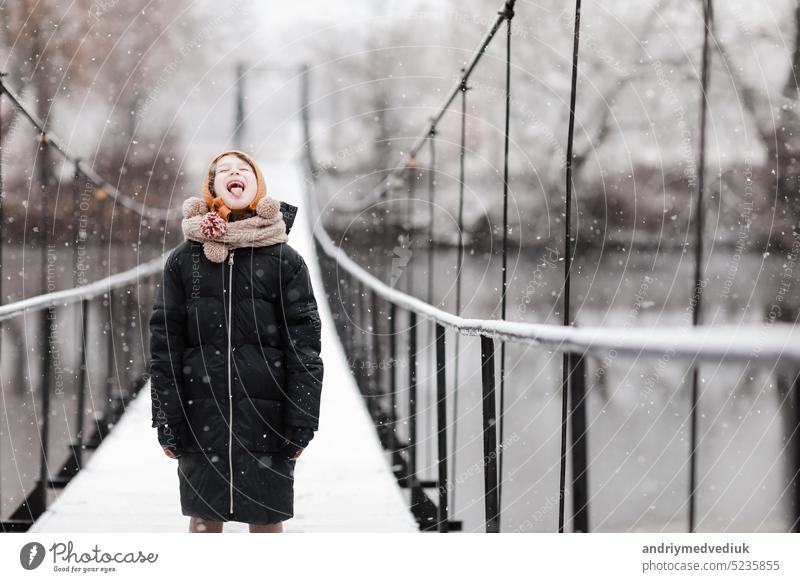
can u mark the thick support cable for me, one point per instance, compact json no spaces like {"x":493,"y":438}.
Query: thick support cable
{"x":383,"y":186}
{"x":509,"y":15}
{"x":698,"y":251}
{"x":566,"y":360}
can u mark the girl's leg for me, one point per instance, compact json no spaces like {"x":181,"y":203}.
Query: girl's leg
{"x":200,"y":525}
{"x":268,"y":528}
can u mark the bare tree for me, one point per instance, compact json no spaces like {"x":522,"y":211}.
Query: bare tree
{"x":775,"y":115}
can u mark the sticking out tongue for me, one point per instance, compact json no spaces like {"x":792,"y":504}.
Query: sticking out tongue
{"x":237,"y":190}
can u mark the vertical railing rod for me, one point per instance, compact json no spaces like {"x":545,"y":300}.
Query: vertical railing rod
{"x":47,"y":315}
{"x":305,"y":99}
{"x":795,"y":462}
{"x":375,"y":364}
{"x":108,"y":415}
{"x":412,"y":186}
{"x":358,"y":336}
{"x":441,"y":428}
{"x":508,"y":12}
{"x":459,"y":261}
{"x":580,"y":471}
{"x":133,"y":363}
{"x":357,"y":333}
{"x":348,"y":318}
{"x":698,"y":254}
{"x":412,"y":396}
{"x":565,"y":362}
{"x":393,"y":375}
{"x":80,"y":319}
{"x":363,"y":348}
{"x":40,"y":503}
{"x":431,"y":202}
{"x":429,"y":390}
{"x":489,"y":436}
{"x":82,"y":378}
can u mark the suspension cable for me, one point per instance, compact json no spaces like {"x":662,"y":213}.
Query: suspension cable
{"x":459,"y":260}
{"x":432,"y":365}
{"x":566,"y":359}
{"x":49,"y":139}
{"x":383,"y":186}
{"x":698,"y":254}
{"x":509,"y":15}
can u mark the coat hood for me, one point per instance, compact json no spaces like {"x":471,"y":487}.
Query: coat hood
{"x":289,"y":212}
{"x":214,"y":201}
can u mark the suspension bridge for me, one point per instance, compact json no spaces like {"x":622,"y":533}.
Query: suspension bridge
{"x":129,"y":485}
{"x":362,"y":471}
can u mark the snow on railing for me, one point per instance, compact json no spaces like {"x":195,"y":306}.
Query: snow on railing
{"x":75,"y":294}
{"x":767,"y":344}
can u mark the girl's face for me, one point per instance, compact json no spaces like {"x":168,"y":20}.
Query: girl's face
{"x":235,"y":181}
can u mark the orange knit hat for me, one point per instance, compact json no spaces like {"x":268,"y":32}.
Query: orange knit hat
{"x":215,"y":202}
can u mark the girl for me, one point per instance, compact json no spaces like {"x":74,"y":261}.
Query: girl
{"x":235,"y":370}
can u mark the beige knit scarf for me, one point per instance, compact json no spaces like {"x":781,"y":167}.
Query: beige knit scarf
{"x":218,"y":236}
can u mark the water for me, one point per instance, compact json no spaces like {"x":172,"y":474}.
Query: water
{"x":638,"y":408}
{"x":20,"y":364}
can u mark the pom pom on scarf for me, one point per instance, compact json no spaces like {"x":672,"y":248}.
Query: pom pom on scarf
{"x":213,"y":225}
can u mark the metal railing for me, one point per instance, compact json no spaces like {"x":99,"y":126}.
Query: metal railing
{"x":109,"y":314}
{"x":360,"y":301}
{"x":366,"y":313}
{"x":121,"y":304}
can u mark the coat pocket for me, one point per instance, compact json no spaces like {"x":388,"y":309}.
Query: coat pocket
{"x":259,"y":424}
{"x":207,"y":429}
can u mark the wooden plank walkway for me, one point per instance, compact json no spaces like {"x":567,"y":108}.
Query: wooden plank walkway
{"x":343,"y":480}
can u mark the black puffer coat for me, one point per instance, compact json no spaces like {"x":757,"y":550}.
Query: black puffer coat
{"x":227,"y":428}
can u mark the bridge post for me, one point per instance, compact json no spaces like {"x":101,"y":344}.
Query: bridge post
{"x":375,"y":363}
{"x":131,"y":354}
{"x":412,"y":396}
{"x":305,"y":99}
{"x":392,"y":414}
{"x":39,"y":502}
{"x":441,"y":425}
{"x":489,"y":436}
{"x":347,"y":323}
{"x":788,"y":385}
{"x":81,"y":385}
{"x":238,"y":127}
{"x":362,"y":346}
{"x":376,"y":370}
{"x":577,"y":413}
{"x":796,"y":453}
{"x":355,"y":307}
{"x":108,"y":414}
{"x":75,"y":461}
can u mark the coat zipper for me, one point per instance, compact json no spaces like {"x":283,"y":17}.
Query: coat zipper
{"x":230,"y":393}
